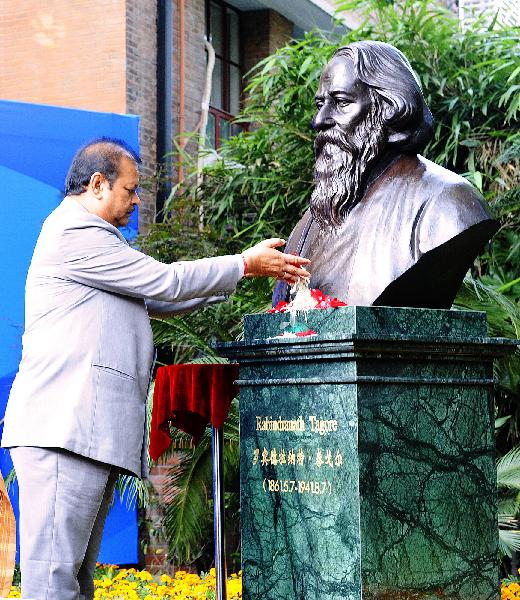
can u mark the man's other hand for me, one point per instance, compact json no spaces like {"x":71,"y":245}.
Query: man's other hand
{"x":263,"y":260}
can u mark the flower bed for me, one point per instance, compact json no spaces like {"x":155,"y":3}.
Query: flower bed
{"x":114,"y":583}
{"x":130,"y":584}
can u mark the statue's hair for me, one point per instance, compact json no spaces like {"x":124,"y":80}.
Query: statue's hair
{"x":387,"y":72}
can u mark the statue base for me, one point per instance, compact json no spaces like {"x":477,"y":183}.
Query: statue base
{"x":368,"y":456}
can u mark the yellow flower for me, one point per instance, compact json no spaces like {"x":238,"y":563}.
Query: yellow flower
{"x":510,"y":591}
{"x":112,"y":583}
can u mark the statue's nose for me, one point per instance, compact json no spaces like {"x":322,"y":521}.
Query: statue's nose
{"x":322,"y":119}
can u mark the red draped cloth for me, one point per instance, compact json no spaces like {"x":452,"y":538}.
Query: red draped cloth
{"x":189,"y":397}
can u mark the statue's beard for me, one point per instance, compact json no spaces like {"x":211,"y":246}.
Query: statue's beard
{"x":341,"y":169}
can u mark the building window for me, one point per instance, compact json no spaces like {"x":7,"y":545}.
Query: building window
{"x":223,"y":29}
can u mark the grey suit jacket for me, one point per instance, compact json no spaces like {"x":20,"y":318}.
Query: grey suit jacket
{"x":87,"y":346}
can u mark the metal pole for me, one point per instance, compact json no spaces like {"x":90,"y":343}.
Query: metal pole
{"x":217,"y":450}
{"x":164,"y":100}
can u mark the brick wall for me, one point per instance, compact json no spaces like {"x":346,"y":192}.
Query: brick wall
{"x":280,"y":31}
{"x":64,"y":52}
{"x":263,"y":32}
{"x":141,"y":93}
{"x":156,"y":556}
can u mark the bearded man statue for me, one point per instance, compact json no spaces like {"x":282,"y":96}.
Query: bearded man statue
{"x":385,"y":225}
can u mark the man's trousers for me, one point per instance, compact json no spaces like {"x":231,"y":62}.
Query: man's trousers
{"x":64,"y":500}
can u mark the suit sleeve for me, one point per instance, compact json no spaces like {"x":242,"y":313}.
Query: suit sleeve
{"x":95,"y":256}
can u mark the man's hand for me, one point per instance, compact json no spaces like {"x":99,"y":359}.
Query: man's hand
{"x":263,"y":260}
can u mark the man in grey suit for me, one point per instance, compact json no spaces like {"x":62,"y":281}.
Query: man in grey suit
{"x":76,"y":412}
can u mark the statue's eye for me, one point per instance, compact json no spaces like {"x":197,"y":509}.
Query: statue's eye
{"x":342,"y":102}
{"x":319,"y":104}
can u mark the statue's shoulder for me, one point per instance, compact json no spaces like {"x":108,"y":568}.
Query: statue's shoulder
{"x":447,"y":191}
{"x":420,"y":180}
{"x":442,"y":182}
{"x":451,"y":205}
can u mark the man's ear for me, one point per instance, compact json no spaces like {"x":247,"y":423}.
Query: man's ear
{"x":96,"y":184}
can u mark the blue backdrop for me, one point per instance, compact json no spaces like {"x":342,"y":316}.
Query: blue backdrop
{"x":37,"y":144}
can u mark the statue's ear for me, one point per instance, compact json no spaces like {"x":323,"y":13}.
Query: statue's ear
{"x":389,"y":111}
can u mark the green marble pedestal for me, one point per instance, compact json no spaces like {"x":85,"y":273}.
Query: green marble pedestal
{"x":367,"y":456}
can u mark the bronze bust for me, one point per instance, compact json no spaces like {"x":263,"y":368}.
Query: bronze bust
{"x":385,"y":225}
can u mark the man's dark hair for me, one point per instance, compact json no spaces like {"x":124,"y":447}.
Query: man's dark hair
{"x":387,"y":72}
{"x":101,"y":155}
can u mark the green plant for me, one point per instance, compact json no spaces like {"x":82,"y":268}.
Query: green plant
{"x":508,"y":482}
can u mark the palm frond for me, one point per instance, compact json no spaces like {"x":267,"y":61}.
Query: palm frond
{"x":10,"y":478}
{"x":186,"y":494}
{"x":508,"y":470}
{"x":508,"y":509}
{"x":135,"y":490}
{"x":508,"y":541}
{"x":178,"y":334}
{"x":503,"y":314}
{"x":501,"y":421}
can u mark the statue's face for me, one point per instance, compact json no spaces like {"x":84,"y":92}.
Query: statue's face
{"x":342,"y":100}
{"x":350,"y":137}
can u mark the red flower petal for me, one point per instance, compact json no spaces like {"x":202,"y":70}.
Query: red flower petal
{"x":317,"y":294}
{"x":280,"y":307}
{"x":335,"y":303}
